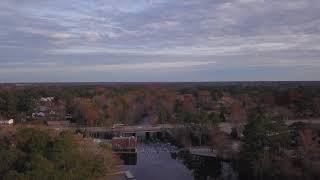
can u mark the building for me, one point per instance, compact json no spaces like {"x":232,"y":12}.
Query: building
{"x":49,"y":108}
{"x":124,"y":144}
{"x":68,"y":117}
{"x":6,"y":122}
{"x":46,"y":99}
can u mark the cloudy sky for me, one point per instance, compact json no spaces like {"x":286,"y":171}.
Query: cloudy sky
{"x":159,"y":40}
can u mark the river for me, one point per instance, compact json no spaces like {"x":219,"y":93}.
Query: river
{"x":154,"y":162}
{"x":159,"y":161}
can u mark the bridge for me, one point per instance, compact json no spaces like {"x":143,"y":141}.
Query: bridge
{"x":108,"y":132}
{"x":103,"y":132}
{"x":132,"y":129}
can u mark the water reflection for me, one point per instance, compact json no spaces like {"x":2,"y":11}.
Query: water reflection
{"x":154,"y":162}
{"x":161,"y":160}
{"x":204,"y":168}
{"x":129,"y":158}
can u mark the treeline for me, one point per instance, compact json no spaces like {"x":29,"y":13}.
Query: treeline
{"x":99,"y":105}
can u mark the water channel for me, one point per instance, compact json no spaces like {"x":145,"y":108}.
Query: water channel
{"x":159,"y":160}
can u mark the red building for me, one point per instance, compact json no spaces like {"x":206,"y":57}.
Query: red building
{"x":124,"y":144}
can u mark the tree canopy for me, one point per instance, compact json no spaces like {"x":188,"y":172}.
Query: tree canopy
{"x":35,"y":154}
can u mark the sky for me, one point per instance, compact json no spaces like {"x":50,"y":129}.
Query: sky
{"x":159,"y":40}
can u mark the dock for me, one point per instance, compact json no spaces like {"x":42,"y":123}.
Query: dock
{"x":203,"y":151}
{"x":129,"y":176}
{"x":122,"y":175}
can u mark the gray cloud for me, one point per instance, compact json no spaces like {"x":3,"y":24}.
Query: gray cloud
{"x":201,"y":37}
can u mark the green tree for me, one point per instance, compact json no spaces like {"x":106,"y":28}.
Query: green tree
{"x":8,"y":158}
{"x":223,"y":113}
{"x":262,"y":135}
{"x":163,"y":114}
{"x":26,"y":102}
{"x":214,"y":118}
{"x":34,"y":154}
{"x":33,"y":141}
{"x":12,"y":174}
{"x":38,"y":168}
{"x":8,"y":103}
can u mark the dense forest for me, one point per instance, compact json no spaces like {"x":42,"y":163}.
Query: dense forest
{"x":102,"y":105}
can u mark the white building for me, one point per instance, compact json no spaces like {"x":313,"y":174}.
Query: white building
{"x":47,"y":99}
{"x":6,"y":122}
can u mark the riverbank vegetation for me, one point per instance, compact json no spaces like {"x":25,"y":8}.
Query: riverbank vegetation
{"x":272,"y":150}
{"x":267,"y":150}
{"x":33,"y":153}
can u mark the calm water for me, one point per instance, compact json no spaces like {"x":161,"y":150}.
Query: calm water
{"x":156,"y":161}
